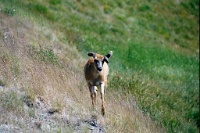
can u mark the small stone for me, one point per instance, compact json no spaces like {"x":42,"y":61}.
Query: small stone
{"x":38,"y":124}
{"x":53,"y":110}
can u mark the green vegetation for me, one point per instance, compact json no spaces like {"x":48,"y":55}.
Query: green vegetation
{"x":161,"y":81}
{"x":44,"y":54}
{"x":155,"y":45}
{"x":9,"y":11}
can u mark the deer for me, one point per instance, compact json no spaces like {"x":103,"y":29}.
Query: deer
{"x":96,"y":71}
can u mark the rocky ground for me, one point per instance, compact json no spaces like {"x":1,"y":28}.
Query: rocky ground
{"x":43,"y":118}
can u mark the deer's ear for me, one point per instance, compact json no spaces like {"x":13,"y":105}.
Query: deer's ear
{"x":106,"y":59}
{"x":91,"y":54}
{"x":109,"y":54}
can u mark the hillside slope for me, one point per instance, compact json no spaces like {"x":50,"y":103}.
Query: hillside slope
{"x":42,"y":87}
{"x":154,"y":71}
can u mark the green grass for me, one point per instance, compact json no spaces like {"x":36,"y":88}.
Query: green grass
{"x":155,"y":45}
{"x":45,"y":54}
{"x":161,"y":81}
{"x":9,"y":11}
{"x":167,"y":87}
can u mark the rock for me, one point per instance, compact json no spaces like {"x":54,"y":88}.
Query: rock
{"x":53,"y":110}
{"x":28,"y":101}
{"x":38,"y":124}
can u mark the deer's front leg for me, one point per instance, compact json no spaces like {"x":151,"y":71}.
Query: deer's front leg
{"x":93,"y":94}
{"x":102,"y":86}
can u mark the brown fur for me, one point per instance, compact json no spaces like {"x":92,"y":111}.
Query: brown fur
{"x":96,"y":78}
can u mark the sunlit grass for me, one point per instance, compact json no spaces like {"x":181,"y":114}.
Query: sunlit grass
{"x":155,"y":46}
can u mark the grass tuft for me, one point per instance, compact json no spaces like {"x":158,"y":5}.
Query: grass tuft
{"x":41,"y":9}
{"x":43,"y":54}
{"x":55,"y":2}
{"x":11,"y":101}
{"x":10,"y":11}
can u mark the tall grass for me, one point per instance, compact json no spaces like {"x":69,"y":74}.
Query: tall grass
{"x":164,"y":83}
{"x":155,"y":45}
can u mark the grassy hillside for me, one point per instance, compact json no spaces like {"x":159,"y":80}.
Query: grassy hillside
{"x":155,"y":61}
